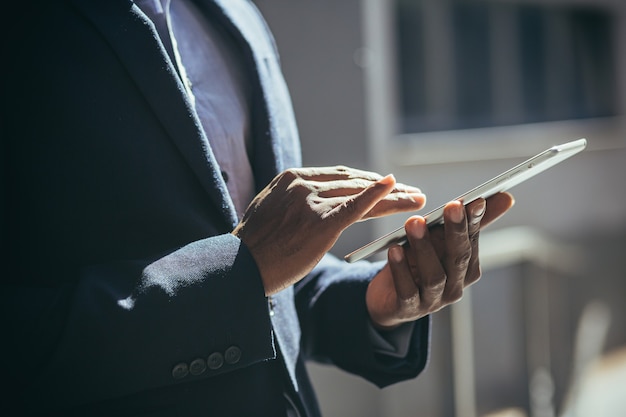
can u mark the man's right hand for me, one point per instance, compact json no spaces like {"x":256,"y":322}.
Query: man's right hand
{"x":299,"y":216}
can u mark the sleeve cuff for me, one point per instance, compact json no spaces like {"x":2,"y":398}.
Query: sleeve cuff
{"x":394,"y":343}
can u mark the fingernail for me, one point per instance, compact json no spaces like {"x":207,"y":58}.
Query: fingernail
{"x":457,"y":213}
{"x":418,"y":227}
{"x":479,"y":210}
{"x":396,"y":254}
{"x":389,"y":179}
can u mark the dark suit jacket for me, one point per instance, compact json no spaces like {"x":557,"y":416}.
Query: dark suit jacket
{"x":127,"y":294}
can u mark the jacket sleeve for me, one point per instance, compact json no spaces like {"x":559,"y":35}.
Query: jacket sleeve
{"x":212,"y":286}
{"x":336,"y":328}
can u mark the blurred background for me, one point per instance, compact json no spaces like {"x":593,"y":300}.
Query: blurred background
{"x":445,"y":94}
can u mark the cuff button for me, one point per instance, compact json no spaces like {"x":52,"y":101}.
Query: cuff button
{"x":215,"y":360}
{"x":180,"y":371}
{"x":232,"y":355}
{"x":197,"y":367}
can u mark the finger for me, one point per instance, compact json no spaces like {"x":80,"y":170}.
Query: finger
{"x":333,"y":193}
{"x":406,"y":289}
{"x":431,"y":277}
{"x":398,"y":203}
{"x":352,"y":178}
{"x":497,"y":205}
{"x":355,"y":207}
{"x":338,"y":172}
{"x":343,"y":187}
{"x":458,"y":251}
{"x":476,"y":213}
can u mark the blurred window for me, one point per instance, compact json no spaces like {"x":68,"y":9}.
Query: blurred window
{"x":480,"y":63}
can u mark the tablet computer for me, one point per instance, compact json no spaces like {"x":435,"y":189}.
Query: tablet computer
{"x":502,"y":182}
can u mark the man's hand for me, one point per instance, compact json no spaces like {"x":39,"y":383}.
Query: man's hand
{"x":435,"y":267}
{"x":298,"y":217}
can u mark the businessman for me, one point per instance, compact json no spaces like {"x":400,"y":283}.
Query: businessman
{"x":164,"y":252}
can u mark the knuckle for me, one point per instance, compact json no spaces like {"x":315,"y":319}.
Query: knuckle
{"x":406,"y":303}
{"x":459,"y":233}
{"x":299,"y":186}
{"x":285,"y":179}
{"x":473,"y":276}
{"x":435,"y":287}
{"x":291,"y":173}
{"x":454,"y":294}
{"x":461,"y":263}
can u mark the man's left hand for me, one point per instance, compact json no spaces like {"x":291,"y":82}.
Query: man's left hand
{"x":436,"y":265}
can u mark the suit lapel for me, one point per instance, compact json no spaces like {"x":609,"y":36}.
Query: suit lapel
{"x":136,"y":43}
